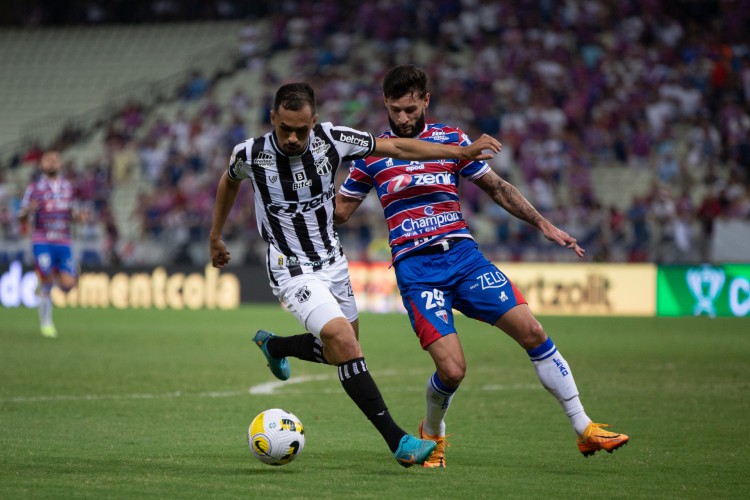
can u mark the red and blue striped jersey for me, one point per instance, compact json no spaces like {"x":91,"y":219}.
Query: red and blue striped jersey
{"x":54,"y":200}
{"x":420,"y":199}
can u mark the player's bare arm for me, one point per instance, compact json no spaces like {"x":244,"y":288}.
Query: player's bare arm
{"x":510,"y":198}
{"x":413,"y":149}
{"x":226,"y":194}
{"x":345,"y":207}
{"x":25,"y":212}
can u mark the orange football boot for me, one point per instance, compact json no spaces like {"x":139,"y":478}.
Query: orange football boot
{"x":595,"y":438}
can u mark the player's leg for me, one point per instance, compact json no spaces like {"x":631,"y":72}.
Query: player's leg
{"x":556,"y":376}
{"x":343,"y":349}
{"x":306,"y":346}
{"x":552,"y":369}
{"x":45,"y":272}
{"x":309,"y":297}
{"x":486,"y":294}
{"x":428,"y":300}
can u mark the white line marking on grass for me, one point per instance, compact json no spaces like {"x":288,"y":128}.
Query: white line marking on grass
{"x":270,"y":387}
{"x":267,"y":388}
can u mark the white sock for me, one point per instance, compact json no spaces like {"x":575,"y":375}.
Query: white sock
{"x":438,"y":398}
{"x":45,"y":306}
{"x":555,"y":375}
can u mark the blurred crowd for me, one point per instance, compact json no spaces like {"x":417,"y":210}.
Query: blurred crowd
{"x":656,"y":90}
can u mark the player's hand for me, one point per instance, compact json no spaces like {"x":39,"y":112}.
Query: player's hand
{"x":220,"y":256}
{"x":553,"y":233}
{"x":475,"y":151}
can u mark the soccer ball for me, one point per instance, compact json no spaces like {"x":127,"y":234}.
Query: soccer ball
{"x":276,"y":437}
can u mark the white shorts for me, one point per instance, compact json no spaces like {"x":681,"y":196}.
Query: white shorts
{"x":317,"y":297}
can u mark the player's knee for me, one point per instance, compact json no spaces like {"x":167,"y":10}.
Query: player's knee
{"x":534,"y":335}
{"x":451,"y":374}
{"x":339,"y":341}
{"x":66,"y":282}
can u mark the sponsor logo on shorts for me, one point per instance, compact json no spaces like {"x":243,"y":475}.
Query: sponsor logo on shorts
{"x":494,"y":279}
{"x":303,"y":294}
{"x":503,"y":297}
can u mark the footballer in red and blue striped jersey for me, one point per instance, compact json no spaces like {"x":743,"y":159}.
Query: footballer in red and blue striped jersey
{"x":422,"y":209}
{"x":419,"y":199}
{"x":439,"y":266}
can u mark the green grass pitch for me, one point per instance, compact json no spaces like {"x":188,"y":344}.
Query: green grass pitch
{"x":156,"y":404}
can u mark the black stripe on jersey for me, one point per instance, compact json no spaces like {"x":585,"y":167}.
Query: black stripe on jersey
{"x":332,"y":153}
{"x":322,"y":217}
{"x":303,"y":235}
{"x":286,"y":178}
{"x":268,"y":265}
{"x":259,"y":173}
{"x":308,"y":163}
{"x":320,"y":214}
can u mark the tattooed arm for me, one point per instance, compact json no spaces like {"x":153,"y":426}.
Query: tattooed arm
{"x":507,"y":196}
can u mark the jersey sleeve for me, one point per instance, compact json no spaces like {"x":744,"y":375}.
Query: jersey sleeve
{"x":358,"y":183}
{"x":351,"y":144}
{"x":238,"y":166}
{"x":469,"y":169}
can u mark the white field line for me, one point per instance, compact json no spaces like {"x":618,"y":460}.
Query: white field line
{"x":277,"y":387}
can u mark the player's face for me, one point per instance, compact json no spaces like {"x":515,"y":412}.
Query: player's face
{"x":293,"y":128}
{"x":406,"y":114}
{"x":51,"y":163}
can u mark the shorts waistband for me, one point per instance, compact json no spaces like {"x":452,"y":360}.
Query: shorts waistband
{"x":441,"y":246}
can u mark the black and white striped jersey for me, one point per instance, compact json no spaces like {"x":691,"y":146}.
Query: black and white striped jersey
{"x":294,"y":195}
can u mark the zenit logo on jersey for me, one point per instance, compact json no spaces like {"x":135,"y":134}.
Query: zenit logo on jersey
{"x":401,"y":182}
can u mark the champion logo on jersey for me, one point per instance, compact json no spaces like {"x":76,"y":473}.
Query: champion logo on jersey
{"x":428,"y":210}
{"x":442,"y":314}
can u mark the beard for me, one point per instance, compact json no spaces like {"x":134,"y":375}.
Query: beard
{"x":415,"y":131}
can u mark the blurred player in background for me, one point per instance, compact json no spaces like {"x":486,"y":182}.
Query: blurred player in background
{"x":50,"y":200}
{"x":439,"y":267}
{"x":292,"y":170}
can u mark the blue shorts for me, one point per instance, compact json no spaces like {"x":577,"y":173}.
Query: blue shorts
{"x":52,"y":257}
{"x":461,"y":278}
